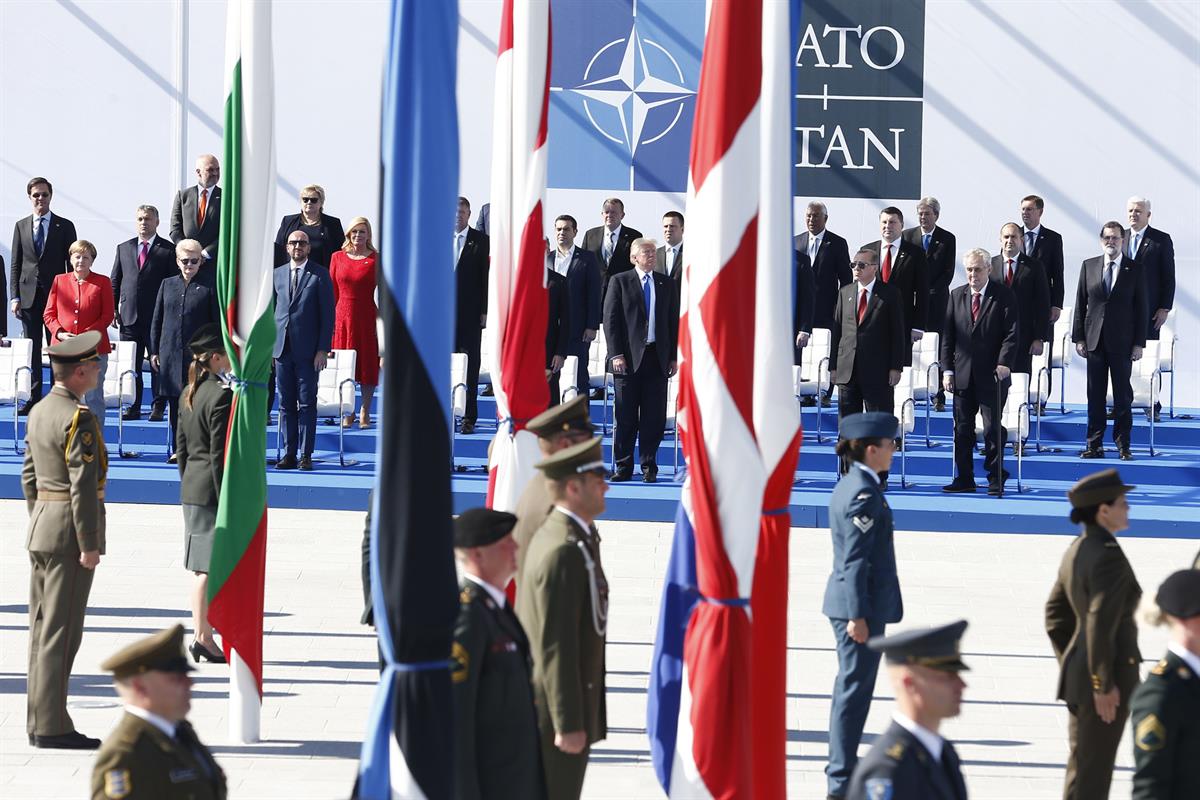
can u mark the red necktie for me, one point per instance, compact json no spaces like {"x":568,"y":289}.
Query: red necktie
{"x":975,"y":307}
{"x":887,"y":266}
{"x":862,"y":305}
{"x":142,"y":255}
{"x":1008,"y":278}
{"x":203,"y":207}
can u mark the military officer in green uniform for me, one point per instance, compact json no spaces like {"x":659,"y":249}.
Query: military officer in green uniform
{"x":498,"y":753}
{"x":63,"y":482}
{"x":562,"y":602}
{"x":911,"y":760}
{"x":153,"y":753}
{"x":557,"y":428}
{"x":1089,"y":619}
{"x":1165,"y":710}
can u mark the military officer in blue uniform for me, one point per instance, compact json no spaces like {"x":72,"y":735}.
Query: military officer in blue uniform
{"x":863,"y":591}
{"x":1165,"y":710}
{"x":911,"y":760}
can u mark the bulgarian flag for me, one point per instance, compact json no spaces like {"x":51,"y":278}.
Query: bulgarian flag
{"x":244,"y":265}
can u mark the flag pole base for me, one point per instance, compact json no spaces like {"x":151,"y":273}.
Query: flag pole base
{"x":245,"y":704}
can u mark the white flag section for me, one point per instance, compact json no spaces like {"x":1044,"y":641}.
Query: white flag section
{"x":245,"y":706}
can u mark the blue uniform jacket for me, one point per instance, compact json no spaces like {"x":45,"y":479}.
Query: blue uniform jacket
{"x":898,"y":767}
{"x":863,"y":583}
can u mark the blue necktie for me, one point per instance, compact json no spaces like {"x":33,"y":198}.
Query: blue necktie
{"x":1108,"y":279}
{"x":1030,"y":241}
{"x":39,"y":236}
{"x":646,"y":295}
{"x":925,"y":242}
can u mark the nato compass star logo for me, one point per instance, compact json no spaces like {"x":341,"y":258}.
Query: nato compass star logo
{"x":622,"y":100}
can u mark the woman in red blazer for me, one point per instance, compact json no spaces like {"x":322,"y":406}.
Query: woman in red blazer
{"x":82,"y":300}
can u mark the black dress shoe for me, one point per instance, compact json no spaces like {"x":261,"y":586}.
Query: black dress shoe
{"x":306,"y":464}
{"x":287,"y":462}
{"x":23,"y":411}
{"x":960,"y":487}
{"x":467,"y":426}
{"x":67,"y":741}
{"x":131,"y":413}
{"x":808,"y":402}
{"x":597,"y":394}
{"x":1126,"y":454}
{"x":200,"y":652}
{"x":1091,"y":452}
{"x":939,"y":404}
{"x":995,"y":489}
{"x":620,"y":476}
{"x":156,"y":414}
{"x":649,"y":475}
{"x":1110,"y":414}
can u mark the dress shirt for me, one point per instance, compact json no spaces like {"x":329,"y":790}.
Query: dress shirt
{"x":562,"y":262}
{"x":161,"y":723}
{"x":1189,"y":658}
{"x":643,"y":278}
{"x":883,"y":248}
{"x":1139,"y":237}
{"x":294,"y":276}
{"x":874,"y":475}
{"x":858,"y":290}
{"x":1025,"y":238}
{"x":610,"y":241}
{"x":814,"y":244}
{"x":928,"y":739}
{"x":925,"y":233}
{"x":1116,"y":262}
{"x":33,"y":230}
{"x":460,"y":239}
{"x":671,"y":255}
{"x":578,"y":519}
{"x":971,"y":299}
{"x":493,"y":592}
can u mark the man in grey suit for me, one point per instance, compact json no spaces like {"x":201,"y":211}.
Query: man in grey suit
{"x":303,"y":335}
{"x":141,"y":265}
{"x":39,"y":252}
{"x":196,"y":213}
{"x":483,"y":221}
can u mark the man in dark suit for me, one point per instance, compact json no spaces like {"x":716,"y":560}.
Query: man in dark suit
{"x":303,"y":336}
{"x":1046,"y":247}
{"x":829,"y":256}
{"x":585,"y":281}
{"x":669,"y":257}
{"x":557,"y":324}
{"x":1155,"y":251}
{"x":472,"y":250}
{"x":979,"y":345}
{"x":902,"y":266}
{"x":940,"y":249}
{"x":196,"y":212}
{"x":39,"y":252}
{"x":141,"y":265}
{"x":641,"y":326}
{"x":803,"y":305}
{"x":1109,"y":330}
{"x":611,"y":241}
{"x":1027,"y":279}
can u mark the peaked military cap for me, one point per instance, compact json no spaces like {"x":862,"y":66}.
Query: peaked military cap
{"x":162,"y":652}
{"x":1099,"y":487}
{"x":207,"y":339}
{"x":936,"y":648}
{"x":573,"y":415}
{"x":869,"y":425}
{"x":479,"y":527}
{"x":1179,"y":594}
{"x":76,"y":350}
{"x":574,"y":460}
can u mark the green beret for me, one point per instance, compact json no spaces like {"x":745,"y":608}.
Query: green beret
{"x":574,"y":460}
{"x":76,"y":350}
{"x":162,"y":652}
{"x":207,"y":339}
{"x":1099,"y":487}
{"x":574,"y":415}
{"x":479,"y":527}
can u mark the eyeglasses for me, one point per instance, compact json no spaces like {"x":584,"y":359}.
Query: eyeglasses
{"x":860,"y":264}
{"x":190,"y":262}
{"x":39,"y":195}
{"x":297,"y":243}
{"x":310,"y":199}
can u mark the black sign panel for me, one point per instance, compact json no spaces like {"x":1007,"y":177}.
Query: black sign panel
{"x":860,"y":84}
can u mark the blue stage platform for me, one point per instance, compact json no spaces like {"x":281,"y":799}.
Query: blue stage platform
{"x":1166,"y":502}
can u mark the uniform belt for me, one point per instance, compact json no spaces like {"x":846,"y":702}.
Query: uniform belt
{"x":53,"y":496}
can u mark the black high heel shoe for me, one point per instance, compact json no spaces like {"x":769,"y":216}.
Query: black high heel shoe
{"x":199,"y":652}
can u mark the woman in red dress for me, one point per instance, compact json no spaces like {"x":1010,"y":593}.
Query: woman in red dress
{"x":353,"y":272}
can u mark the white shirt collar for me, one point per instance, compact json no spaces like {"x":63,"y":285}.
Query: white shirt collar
{"x":982,"y":291}
{"x":463,"y":232}
{"x":496,"y":594}
{"x":928,"y":739}
{"x":154,"y":719}
{"x":874,"y":475}
{"x":301,"y":265}
{"x":922,"y":232}
{"x":567,"y":255}
{"x":141,"y":241}
{"x":1190,"y":658}
{"x":870,"y":287}
{"x":608,"y":234}
{"x":1116,"y":260}
{"x":884,"y":245}
{"x":578,"y":519}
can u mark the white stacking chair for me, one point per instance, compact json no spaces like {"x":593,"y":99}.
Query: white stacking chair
{"x":1015,"y":419}
{"x":906,"y":404}
{"x":1146,"y":381}
{"x":120,"y":387}
{"x":927,"y":374}
{"x":811,"y":377}
{"x":1039,"y":390}
{"x":1168,"y":339}
{"x":485,"y":361}
{"x":458,"y":397}
{"x":673,"y":413}
{"x":1064,"y":351}
{"x":599,"y":376}
{"x":567,"y":390}
{"x":16,"y":378}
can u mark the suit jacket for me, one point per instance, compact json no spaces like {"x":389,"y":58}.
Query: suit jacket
{"x":804,"y":303}
{"x":910,"y":277}
{"x":323,"y":245}
{"x":136,"y":288}
{"x":1117,"y":322}
{"x":200,"y":442}
{"x":660,"y":264}
{"x":831,"y":271}
{"x":483,"y":221}
{"x":625,"y":319}
{"x":557,"y":319}
{"x":585,"y":281}
{"x":183,"y":220}
{"x":898,"y":766}
{"x":498,"y":753}
{"x":179,"y":310}
{"x":863,"y":582}
{"x":305,"y":319}
{"x":973,"y":349}
{"x":139,"y":762}
{"x":1048,"y":250}
{"x":1156,"y":254}
{"x":1032,"y":292}
{"x":942,"y":259}
{"x":1089,"y":618}
{"x":868,"y":351}
{"x":471,"y":281}
{"x":593,"y":240}
{"x":29,"y":270}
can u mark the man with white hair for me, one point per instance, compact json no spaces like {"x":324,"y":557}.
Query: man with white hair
{"x":1155,"y":251}
{"x":940,"y":247}
{"x":829,"y":256}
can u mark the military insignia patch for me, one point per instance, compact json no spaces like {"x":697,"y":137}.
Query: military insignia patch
{"x":879,"y":788}
{"x":896,"y":751}
{"x":464,"y":596}
{"x":87,"y":438}
{"x":1183,"y":673}
{"x":863,"y":496}
{"x":1159,"y":668}
{"x":863,"y":522}
{"x":116,"y":784}
{"x":1150,"y":734}
{"x":88,"y":457}
{"x":460,"y":663}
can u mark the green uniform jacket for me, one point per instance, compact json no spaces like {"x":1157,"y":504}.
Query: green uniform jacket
{"x":532,"y":509}
{"x":200,"y":442}
{"x":63,"y":476}
{"x":498,"y":754}
{"x":1165,"y":719}
{"x":1089,"y":618}
{"x":554,"y":602}
{"x":140,"y":762}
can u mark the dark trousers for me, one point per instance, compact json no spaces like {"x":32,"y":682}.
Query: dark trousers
{"x":852,"y":689}
{"x":140,"y":339}
{"x":33,"y":327}
{"x":854,"y":399}
{"x":1094,"y":746}
{"x":467,"y":341}
{"x":640,"y":411}
{"x":297,"y":379}
{"x":968,"y":402}
{"x":172,"y":421}
{"x":552,"y":385}
{"x":1101,"y":364}
{"x":58,"y":595}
